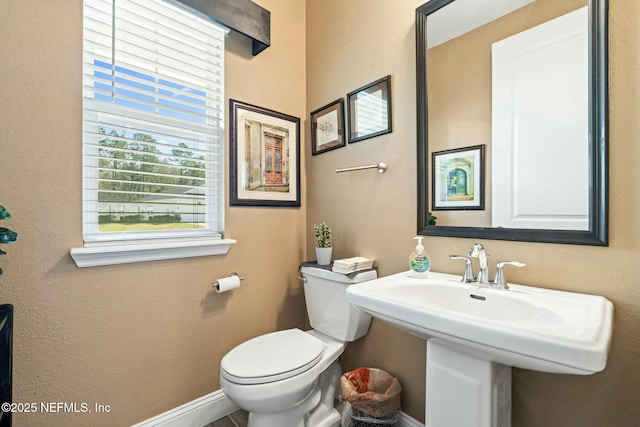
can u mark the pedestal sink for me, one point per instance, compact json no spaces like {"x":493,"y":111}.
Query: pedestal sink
{"x":476,"y":334}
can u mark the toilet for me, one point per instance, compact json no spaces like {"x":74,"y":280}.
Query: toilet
{"x":290,"y":378}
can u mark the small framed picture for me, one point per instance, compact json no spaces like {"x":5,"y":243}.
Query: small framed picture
{"x":264,"y":157}
{"x":327,"y":127}
{"x":370,"y":110}
{"x":458,"y":179}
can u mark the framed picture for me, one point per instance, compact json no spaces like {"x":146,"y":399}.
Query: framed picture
{"x":458,"y":179}
{"x":264,"y":157}
{"x":370,"y":110}
{"x":327,"y":127}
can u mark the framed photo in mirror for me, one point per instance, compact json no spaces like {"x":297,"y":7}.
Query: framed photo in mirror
{"x":327,"y":127}
{"x":458,"y":179}
{"x":370,"y":110}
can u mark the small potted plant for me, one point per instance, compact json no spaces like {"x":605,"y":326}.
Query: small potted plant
{"x":6,"y":235}
{"x":323,"y":243}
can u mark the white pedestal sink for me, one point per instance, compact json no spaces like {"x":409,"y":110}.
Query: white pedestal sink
{"x":476,"y":334}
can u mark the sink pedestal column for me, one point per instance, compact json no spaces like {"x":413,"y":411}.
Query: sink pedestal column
{"x":464,"y":390}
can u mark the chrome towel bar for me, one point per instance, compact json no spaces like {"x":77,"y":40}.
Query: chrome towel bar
{"x":382,"y":168}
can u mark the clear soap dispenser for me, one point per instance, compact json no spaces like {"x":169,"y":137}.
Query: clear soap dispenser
{"x":419,"y":262}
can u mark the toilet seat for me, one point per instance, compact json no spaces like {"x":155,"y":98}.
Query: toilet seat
{"x":272,"y":357}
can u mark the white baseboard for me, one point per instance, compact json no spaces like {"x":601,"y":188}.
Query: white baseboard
{"x":407,"y":421}
{"x":214,"y":406}
{"x":196,"y":413}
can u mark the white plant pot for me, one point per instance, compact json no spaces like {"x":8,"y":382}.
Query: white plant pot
{"x":323,"y":256}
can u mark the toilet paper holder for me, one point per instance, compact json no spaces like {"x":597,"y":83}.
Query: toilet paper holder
{"x":215,"y":284}
{"x":236,"y":274}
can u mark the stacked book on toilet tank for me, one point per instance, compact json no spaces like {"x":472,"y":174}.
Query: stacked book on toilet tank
{"x":351,"y":265}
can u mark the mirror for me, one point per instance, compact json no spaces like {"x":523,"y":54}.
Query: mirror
{"x":463,"y":69}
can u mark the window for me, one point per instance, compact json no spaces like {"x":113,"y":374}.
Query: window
{"x":153,"y":126}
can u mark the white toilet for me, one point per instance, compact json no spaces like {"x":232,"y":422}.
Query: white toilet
{"x":290,"y":378}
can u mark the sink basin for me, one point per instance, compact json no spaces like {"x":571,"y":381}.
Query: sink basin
{"x":524,"y":326}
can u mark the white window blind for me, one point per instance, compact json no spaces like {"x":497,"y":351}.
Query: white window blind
{"x":153,"y":122}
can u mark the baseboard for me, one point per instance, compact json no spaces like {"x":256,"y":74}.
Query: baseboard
{"x":196,"y":413}
{"x":214,"y":406}
{"x":407,"y":421}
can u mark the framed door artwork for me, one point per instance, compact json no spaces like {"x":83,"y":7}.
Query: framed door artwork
{"x":458,"y":179}
{"x":264,"y":157}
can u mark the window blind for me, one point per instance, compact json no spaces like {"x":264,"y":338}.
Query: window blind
{"x":153,"y":121}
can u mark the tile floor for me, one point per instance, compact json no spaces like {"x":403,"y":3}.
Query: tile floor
{"x":235,"y":419}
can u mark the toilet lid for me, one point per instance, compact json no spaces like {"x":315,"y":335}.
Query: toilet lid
{"x":272,"y":357}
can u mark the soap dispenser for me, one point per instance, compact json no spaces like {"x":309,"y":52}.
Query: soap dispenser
{"x":419,"y":262}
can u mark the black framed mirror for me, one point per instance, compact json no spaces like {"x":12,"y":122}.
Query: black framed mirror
{"x":461,"y":223}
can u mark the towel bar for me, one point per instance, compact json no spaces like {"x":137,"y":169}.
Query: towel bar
{"x":382,"y":168}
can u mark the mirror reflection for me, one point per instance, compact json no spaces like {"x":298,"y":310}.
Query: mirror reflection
{"x":515,"y":77}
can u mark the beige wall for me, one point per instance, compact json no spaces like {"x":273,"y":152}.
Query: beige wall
{"x":142,"y":338}
{"x":353,"y":43}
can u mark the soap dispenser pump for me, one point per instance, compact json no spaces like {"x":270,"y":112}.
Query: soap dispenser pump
{"x":419,"y":262}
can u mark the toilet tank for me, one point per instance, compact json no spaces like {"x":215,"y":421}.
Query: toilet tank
{"x":327,"y":306}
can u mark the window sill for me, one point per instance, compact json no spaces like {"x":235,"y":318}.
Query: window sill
{"x":92,"y":256}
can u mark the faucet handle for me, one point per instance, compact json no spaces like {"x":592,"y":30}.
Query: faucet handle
{"x":499,"y":279}
{"x":467,"y":277}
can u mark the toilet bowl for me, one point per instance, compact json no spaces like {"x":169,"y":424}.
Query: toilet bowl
{"x":291,"y":378}
{"x":284,"y":401}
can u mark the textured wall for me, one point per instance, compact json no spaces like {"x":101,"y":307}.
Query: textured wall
{"x":352,"y":43}
{"x":142,"y":338}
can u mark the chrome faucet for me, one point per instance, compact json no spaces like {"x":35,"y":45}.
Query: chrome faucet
{"x":477,"y":251}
